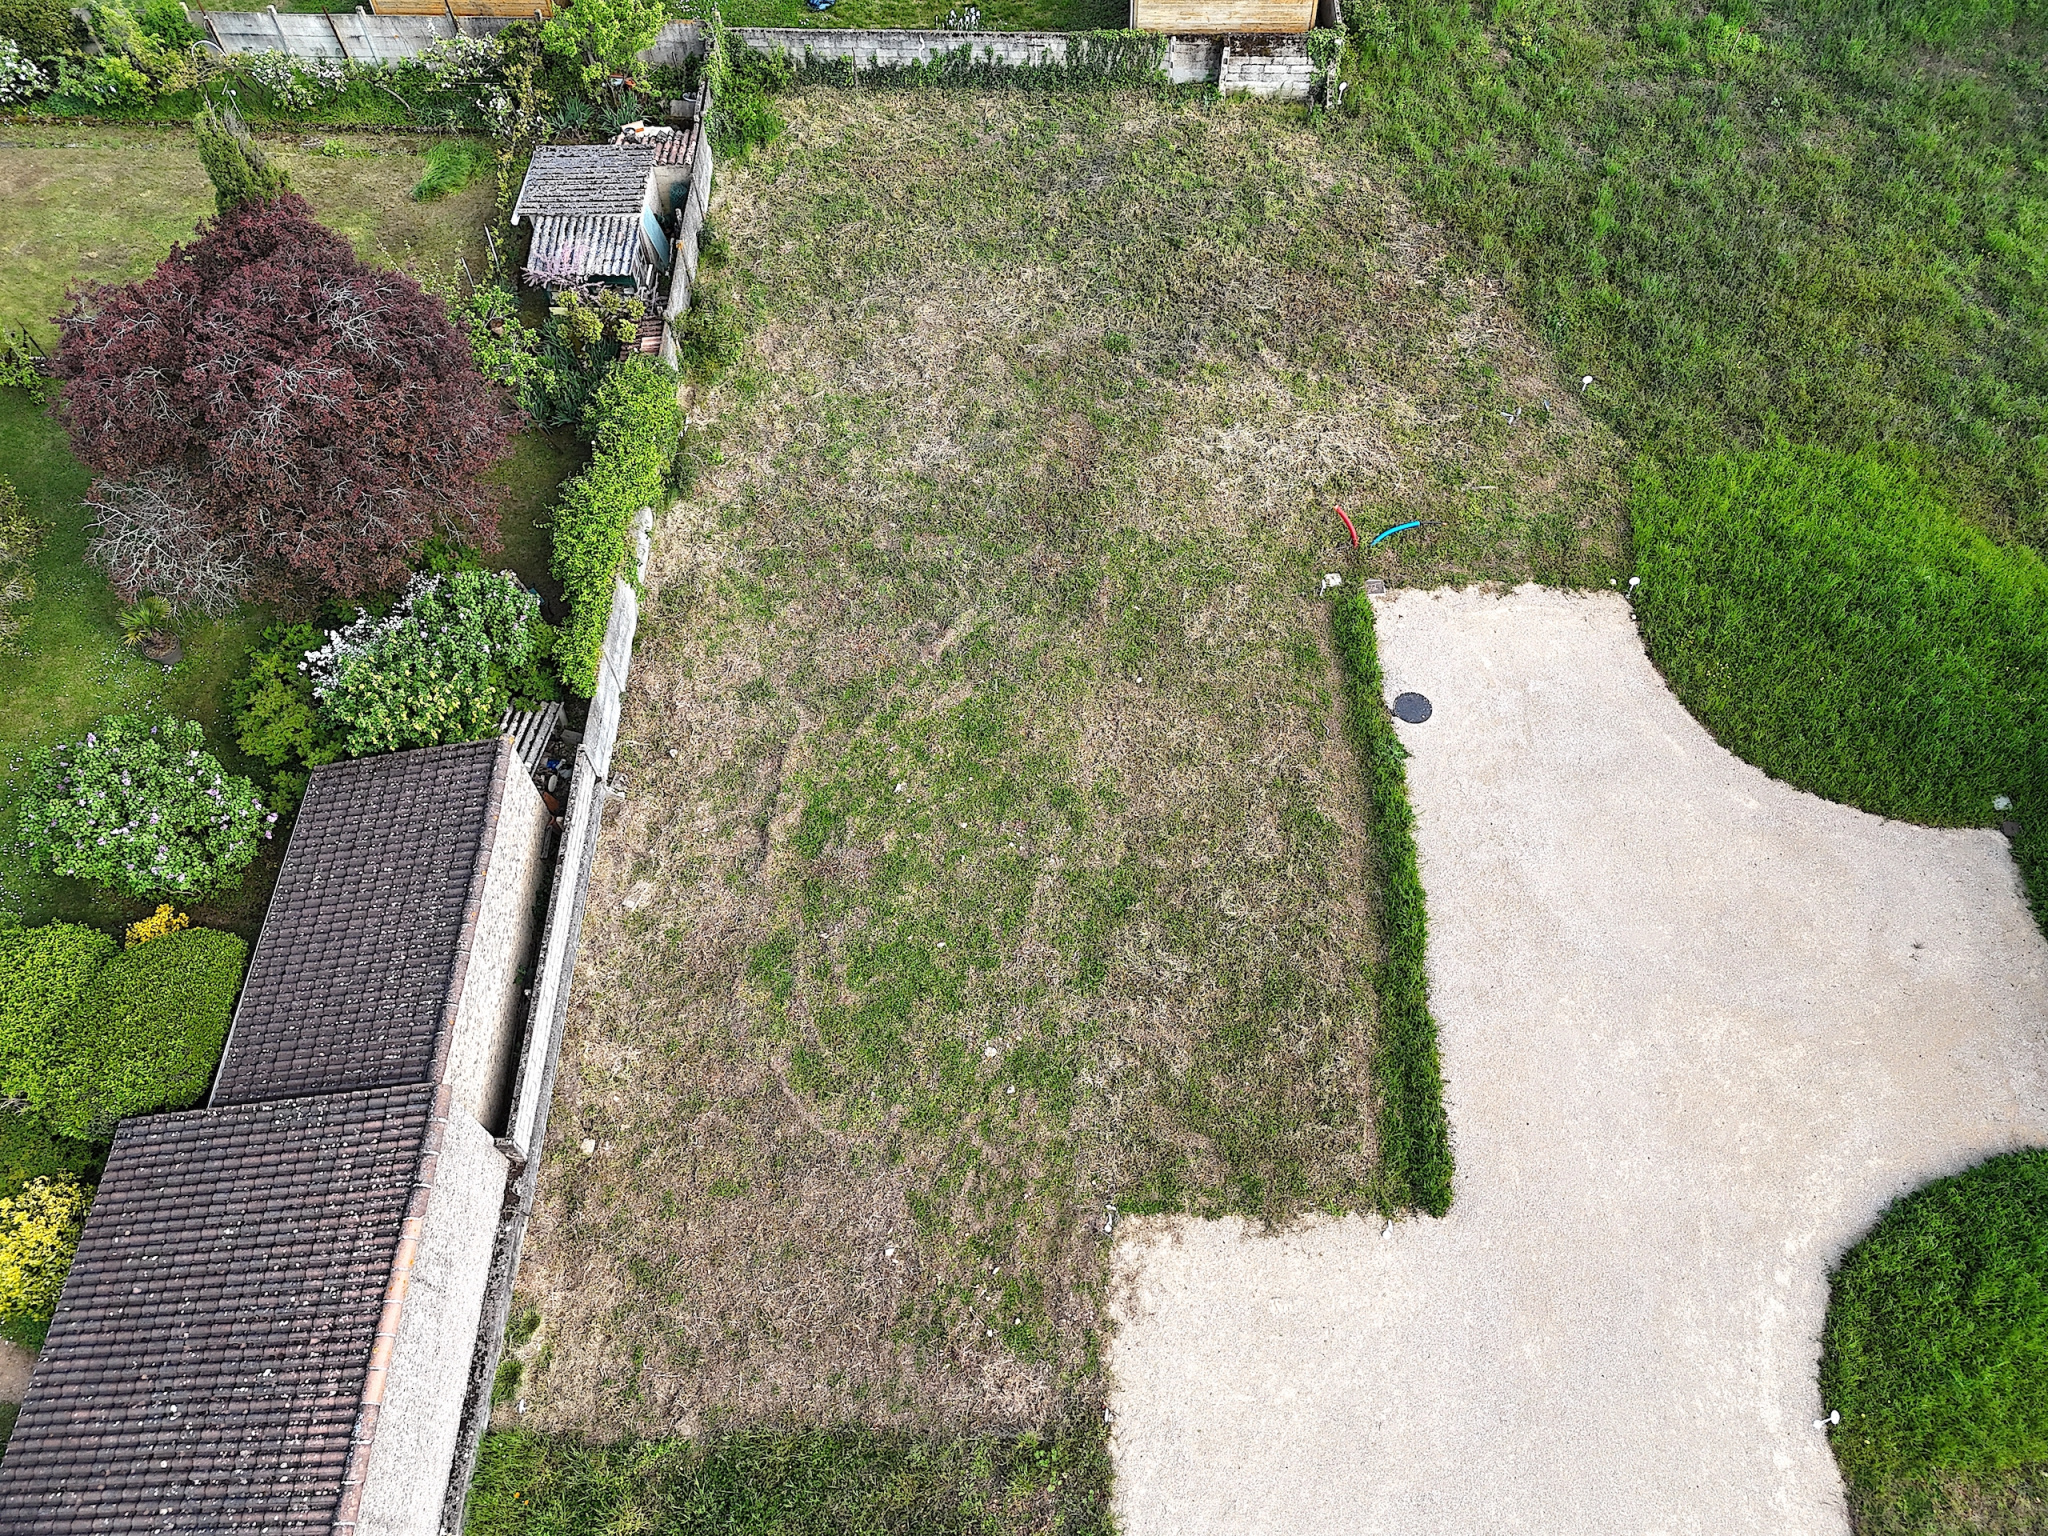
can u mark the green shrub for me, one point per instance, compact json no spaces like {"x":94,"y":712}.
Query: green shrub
{"x":43,"y":973}
{"x":141,"y":808}
{"x":597,"y":38}
{"x":434,"y":670}
{"x":709,"y":335}
{"x":452,"y":164}
{"x":29,"y":1150}
{"x":278,"y":722}
{"x":1414,"y":1131}
{"x":1829,"y":620}
{"x":1936,"y":1346}
{"x":166,"y":21}
{"x":39,"y":1230}
{"x":742,"y":79}
{"x":42,"y":28}
{"x":636,"y":423}
{"x":145,"y":1035}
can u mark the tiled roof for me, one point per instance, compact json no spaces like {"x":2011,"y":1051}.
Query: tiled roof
{"x":584,"y":247}
{"x":568,"y":179}
{"x":207,"y":1365}
{"x":363,"y":949}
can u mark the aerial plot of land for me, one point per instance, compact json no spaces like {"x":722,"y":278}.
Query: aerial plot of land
{"x":1070,"y":800}
{"x":991,"y":857}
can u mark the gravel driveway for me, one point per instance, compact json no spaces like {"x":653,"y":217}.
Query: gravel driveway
{"x":1698,"y":1029}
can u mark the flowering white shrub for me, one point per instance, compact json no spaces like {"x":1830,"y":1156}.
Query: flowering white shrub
{"x":300,"y":84}
{"x":21,"y":80}
{"x":434,"y":670}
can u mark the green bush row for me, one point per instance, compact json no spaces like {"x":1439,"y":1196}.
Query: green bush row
{"x":1414,"y":1132}
{"x":635,"y":423}
{"x":90,"y":1034}
{"x":1830,"y":620}
{"x":1093,"y":59}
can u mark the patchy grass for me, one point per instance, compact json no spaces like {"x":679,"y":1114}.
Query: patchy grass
{"x":104,"y":205}
{"x":993,"y":853}
{"x":1936,"y":1351}
{"x":801,"y":1483}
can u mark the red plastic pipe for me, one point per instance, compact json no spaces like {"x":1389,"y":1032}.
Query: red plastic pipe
{"x":1348,"y":528}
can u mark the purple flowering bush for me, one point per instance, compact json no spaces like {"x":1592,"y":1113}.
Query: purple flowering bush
{"x":141,"y":807}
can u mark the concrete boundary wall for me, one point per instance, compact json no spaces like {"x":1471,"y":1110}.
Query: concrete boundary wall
{"x":336,"y":35}
{"x":554,"y":971}
{"x":1275,"y":67}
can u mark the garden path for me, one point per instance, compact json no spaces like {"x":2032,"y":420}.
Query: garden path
{"x":1698,"y":1029}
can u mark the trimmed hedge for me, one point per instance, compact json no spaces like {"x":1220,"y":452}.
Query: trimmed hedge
{"x":1414,"y":1131}
{"x":145,"y":1035}
{"x":637,"y":423}
{"x":1830,"y":620}
{"x":1936,"y":1345}
{"x":43,"y":973}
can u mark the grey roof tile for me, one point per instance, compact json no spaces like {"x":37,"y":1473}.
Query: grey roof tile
{"x":206,"y":1368}
{"x":566,"y":179}
{"x":363,"y":950}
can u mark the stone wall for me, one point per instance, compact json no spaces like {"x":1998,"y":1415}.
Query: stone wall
{"x":1276,"y":68}
{"x":420,"y":1418}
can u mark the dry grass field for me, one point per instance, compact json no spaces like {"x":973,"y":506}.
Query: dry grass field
{"x":991,"y":854}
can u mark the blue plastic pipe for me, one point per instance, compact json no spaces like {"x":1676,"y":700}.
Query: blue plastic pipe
{"x":1397,"y":528}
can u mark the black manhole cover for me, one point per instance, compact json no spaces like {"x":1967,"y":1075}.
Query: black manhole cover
{"x":1411,"y":707}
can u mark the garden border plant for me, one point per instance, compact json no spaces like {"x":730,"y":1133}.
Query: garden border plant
{"x":636,"y":423}
{"x":1414,"y":1131}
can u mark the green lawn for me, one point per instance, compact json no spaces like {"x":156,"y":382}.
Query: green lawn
{"x":1936,"y":1356}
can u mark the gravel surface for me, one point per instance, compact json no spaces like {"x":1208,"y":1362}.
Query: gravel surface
{"x":1698,"y":1029}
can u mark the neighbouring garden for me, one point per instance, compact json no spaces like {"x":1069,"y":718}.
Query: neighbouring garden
{"x":209,"y":589}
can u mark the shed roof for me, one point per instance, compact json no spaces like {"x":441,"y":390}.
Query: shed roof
{"x":364,"y":950}
{"x":572,"y":179}
{"x":567,"y":249}
{"x":207,"y":1367}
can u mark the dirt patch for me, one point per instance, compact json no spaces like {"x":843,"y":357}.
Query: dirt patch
{"x":991,"y":856}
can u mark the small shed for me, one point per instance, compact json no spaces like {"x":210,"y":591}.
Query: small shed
{"x":596,"y":212}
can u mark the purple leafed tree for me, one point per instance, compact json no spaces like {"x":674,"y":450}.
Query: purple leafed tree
{"x":268,"y":410}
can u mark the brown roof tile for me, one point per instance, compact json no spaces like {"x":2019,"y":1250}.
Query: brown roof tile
{"x":363,"y":948}
{"x":206,"y":1365}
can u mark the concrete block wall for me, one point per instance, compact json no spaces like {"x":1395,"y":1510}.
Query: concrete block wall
{"x":357,"y":36}
{"x":1276,"y":68}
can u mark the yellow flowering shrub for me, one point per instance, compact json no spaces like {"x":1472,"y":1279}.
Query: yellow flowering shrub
{"x":166,"y":919}
{"x":39,"y":1230}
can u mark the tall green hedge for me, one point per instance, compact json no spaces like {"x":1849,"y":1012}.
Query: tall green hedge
{"x":43,"y":973}
{"x":637,"y":423}
{"x":145,"y":1034}
{"x":1414,"y":1131}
